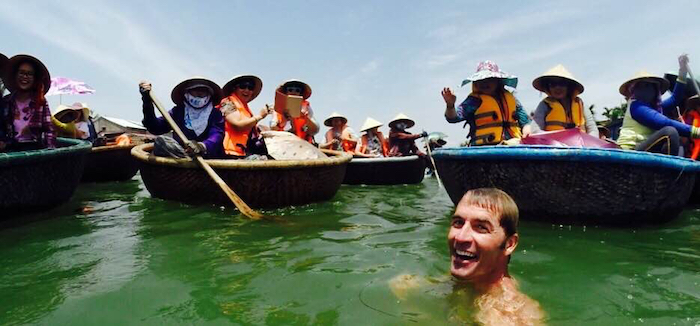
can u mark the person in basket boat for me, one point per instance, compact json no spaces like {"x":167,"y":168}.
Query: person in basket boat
{"x":402,"y":142}
{"x":645,"y":127}
{"x":304,"y":126}
{"x":340,"y":137}
{"x":25,"y":120}
{"x":74,"y":122}
{"x":493,"y":113}
{"x":194,"y":113}
{"x":242,"y":138}
{"x":372,"y":143}
{"x":562,"y":108}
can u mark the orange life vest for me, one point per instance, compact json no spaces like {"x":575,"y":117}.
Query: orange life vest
{"x":235,"y":140}
{"x":559,"y":119}
{"x":297,"y":125}
{"x":365,"y":140}
{"x":123,"y":140}
{"x":492,"y":119}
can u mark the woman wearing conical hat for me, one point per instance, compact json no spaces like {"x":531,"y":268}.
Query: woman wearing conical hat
{"x":340,"y":137}
{"x":304,"y":126}
{"x":402,"y":142}
{"x":493,"y":113}
{"x":644,"y":126}
{"x":74,"y":122}
{"x":26,"y":117}
{"x":372,"y":143}
{"x":562,"y":108}
{"x":193,"y":112}
{"x":242,"y":137}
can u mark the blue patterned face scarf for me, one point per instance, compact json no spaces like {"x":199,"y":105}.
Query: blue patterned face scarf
{"x":197,"y":111}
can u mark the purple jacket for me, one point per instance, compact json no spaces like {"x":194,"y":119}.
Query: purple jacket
{"x":212,"y":137}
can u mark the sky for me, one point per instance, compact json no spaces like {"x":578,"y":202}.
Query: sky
{"x":361,"y":58}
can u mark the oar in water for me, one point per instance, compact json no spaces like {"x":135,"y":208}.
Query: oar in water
{"x":240,"y":204}
{"x":430,"y":155}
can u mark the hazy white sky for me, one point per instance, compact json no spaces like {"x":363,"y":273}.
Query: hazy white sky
{"x":361,"y":58}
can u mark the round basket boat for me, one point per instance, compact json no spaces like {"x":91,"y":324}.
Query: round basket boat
{"x":40,"y":179}
{"x":385,"y":170}
{"x":110,"y":163}
{"x":605,"y":186}
{"x":261,"y":184}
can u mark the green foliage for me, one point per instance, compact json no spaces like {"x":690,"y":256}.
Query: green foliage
{"x":615,"y":113}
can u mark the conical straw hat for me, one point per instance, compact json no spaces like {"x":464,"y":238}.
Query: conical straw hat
{"x":307,"y":88}
{"x":402,"y":117}
{"x":334,"y":115}
{"x":646,"y":76}
{"x":42,"y":73}
{"x":369,"y":124}
{"x":556,"y":71}
{"x":178,"y":93}
{"x":231,"y":85}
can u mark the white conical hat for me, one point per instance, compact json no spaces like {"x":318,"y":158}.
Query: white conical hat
{"x":402,"y":117}
{"x":369,"y":124}
{"x":556,"y":71}
{"x":334,"y":115}
{"x":644,"y":75}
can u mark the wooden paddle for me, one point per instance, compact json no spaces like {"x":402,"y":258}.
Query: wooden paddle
{"x":430,"y":155}
{"x":240,"y":204}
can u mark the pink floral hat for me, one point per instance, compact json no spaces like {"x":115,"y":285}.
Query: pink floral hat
{"x":489,"y":69}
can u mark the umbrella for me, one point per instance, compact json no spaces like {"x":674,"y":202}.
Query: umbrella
{"x":566,"y":138}
{"x":63,"y":85}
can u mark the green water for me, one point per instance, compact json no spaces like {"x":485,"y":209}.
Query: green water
{"x":135,"y":260}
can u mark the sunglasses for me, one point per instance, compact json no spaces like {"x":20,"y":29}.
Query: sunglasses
{"x":558,"y":83}
{"x":294,"y":89}
{"x":248,"y":86}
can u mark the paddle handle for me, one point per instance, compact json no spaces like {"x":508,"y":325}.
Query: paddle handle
{"x":240,"y":204}
{"x":432,"y":161}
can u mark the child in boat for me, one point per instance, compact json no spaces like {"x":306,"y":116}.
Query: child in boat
{"x":242,"y":137}
{"x":340,"y":137}
{"x":644,"y":127}
{"x":402,"y":142}
{"x":562,"y":108}
{"x":493,"y":113}
{"x":304,"y":126}
{"x":74,"y":122}
{"x":372,"y":143}
{"x":26,"y":116}
{"x":194,"y":113}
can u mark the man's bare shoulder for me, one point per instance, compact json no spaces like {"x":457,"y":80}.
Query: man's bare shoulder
{"x":504,"y":304}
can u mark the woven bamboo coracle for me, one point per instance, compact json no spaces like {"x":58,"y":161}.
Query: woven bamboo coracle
{"x":385,"y":170}
{"x":110,"y":163}
{"x":40,"y":179}
{"x":261,"y":184}
{"x":580,"y":185}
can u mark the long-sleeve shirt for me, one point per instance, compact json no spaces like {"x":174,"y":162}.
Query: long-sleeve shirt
{"x":655,"y":119}
{"x":402,"y":143}
{"x":543,"y":110}
{"x":39,"y":127}
{"x":212,"y":137}
{"x":466,"y":110}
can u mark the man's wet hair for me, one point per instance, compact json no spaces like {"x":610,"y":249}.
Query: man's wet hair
{"x":495,"y":201}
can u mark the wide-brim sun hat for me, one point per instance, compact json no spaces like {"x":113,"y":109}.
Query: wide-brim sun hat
{"x":643,"y":75}
{"x":231,"y":85}
{"x":370,"y":124}
{"x":558,"y":71}
{"x":3,"y":62}
{"x":329,"y":121}
{"x":13,"y":64}
{"x":693,"y":101}
{"x":77,"y":106}
{"x":402,"y":118}
{"x":489,"y":69}
{"x":178,"y":93}
{"x":307,"y":89}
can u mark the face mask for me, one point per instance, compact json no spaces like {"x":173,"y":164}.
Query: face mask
{"x":401,"y":125}
{"x":197,"y":102}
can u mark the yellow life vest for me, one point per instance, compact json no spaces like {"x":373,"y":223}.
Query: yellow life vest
{"x":558,"y":119}
{"x":491,"y":119}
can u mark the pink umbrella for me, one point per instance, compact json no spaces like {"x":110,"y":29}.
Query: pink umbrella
{"x":566,"y":138}
{"x":63,"y":85}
